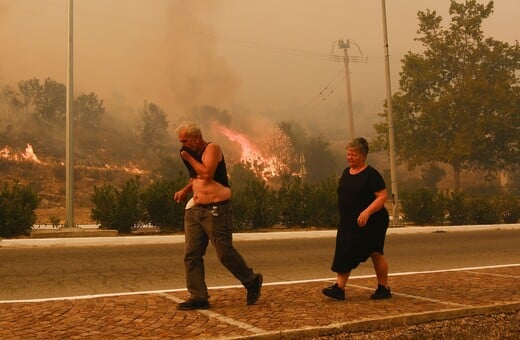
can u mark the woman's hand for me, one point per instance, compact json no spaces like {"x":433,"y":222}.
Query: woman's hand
{"x":377,"y":204}
{"x":363,"y":218}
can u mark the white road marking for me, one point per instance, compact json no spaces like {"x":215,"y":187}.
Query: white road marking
{"x":219,"y":317}
{"x":493,"y":274}
{"x":415,"y":297}
{"x":94,"y":296}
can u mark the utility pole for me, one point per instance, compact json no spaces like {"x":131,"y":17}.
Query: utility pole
{"x":391,"y":140}
{"x":350,"y":115}
{"x":69,"y":162}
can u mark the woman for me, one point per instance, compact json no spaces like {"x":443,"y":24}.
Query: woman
{"x":363,"y":222}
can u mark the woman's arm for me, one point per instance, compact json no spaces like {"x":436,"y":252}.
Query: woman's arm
{"x":377,"y":204}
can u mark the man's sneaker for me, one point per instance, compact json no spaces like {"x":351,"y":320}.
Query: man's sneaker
{"x":254,"y":288}
{"x":334,"y":292}
{"x":192,"y":304}
{"x":381,"y":293}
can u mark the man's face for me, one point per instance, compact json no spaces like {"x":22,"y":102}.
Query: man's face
{"x":189,"y":142}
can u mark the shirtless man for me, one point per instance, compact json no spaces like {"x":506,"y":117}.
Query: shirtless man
{"x":207,"y":218}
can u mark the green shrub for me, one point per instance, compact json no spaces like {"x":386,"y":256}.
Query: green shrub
{"x":466,"y":209}
{"x":255,"y":206}
{"x":422,"y":206}
{"x":119,"y":209}
{"x":292,"y":197}
{"x":323,"y":203}
{"x":456,"y":207}
{"x":17,"y":209}
{"x":161,"y":210}
{"x":104,"y":201}
{"x":509,"y":207}
{"x":482,"y":211}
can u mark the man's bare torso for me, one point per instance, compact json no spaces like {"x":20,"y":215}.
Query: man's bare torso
{"x":209,"y":191}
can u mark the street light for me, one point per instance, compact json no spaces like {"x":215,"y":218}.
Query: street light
{"x":391,"y":141}
{"x":69,"y":162}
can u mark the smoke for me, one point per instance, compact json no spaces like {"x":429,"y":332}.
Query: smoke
{"x":4,"y":8}
{"x":197,"y":75}
{"x":165,"y":53}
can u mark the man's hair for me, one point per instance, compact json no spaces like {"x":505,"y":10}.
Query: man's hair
{"x":190,"y":128}
{"x":359,"y":143}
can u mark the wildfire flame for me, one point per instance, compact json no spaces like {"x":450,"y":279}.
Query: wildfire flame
{"x":133,"y":169}
{"x":130,"y":168}
{"x":265,"y":166}
{"x":27,"y":155}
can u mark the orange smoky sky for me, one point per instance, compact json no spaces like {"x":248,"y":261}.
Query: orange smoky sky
{"x":266,"y":59}
{"x":162,"y":51}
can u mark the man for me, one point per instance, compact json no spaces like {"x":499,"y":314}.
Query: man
{"x":208,"y":218}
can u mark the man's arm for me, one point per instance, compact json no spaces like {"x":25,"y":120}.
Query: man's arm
{"x":205,"y":169}
{"x":180,"y":195}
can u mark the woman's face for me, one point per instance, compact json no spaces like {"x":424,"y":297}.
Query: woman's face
{"x":355,"y":158}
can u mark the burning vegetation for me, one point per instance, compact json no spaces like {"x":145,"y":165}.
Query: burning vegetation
{"x":108,"y":149}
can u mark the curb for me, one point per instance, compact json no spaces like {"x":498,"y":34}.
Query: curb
{"x":377,"y":324}
{"x":277,"y":235}
{"x":71,"y":232}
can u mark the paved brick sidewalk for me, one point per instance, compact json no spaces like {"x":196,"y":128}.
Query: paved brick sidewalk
{"x":285,"y":310}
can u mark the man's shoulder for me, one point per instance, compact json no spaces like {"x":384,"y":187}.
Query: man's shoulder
{"x":213,"y":147}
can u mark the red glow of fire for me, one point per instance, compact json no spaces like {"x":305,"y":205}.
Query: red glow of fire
{"x":265,"y":166}
{"x":27,"y":155}
{"x":130,"y":168}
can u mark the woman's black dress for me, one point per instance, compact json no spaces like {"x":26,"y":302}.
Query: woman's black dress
{"x":354,"y":244}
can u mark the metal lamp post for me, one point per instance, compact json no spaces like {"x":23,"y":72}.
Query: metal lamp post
{"x":69,"y":162}
{"x":391,"y":141}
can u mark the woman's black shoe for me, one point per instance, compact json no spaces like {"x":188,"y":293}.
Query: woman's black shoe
{"x":334,"y":292}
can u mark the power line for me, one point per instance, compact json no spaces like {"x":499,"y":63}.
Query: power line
{"x":108,"y":16}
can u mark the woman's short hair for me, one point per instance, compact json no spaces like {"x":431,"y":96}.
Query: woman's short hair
{"x":360,"y":144}
{"x":190,"y":128}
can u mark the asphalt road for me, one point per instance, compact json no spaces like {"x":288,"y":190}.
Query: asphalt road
{"x":32,"y":273}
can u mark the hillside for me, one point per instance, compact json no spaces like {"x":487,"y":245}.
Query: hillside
{"x":47,"y":177}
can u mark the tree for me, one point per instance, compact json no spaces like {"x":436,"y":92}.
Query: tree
{"x":314,"y":149}
{"x":88,"y":109}
{"x":431,"y":176}
{"x":458,"y":100}
{"x":50,"y":102}
{"x":153,"y":126}
{"x":30,"y":90}
{"x":13,"y":100}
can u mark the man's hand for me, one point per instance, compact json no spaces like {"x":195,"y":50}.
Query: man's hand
{"x":185,"y":155}
{"x":179,"y":196}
